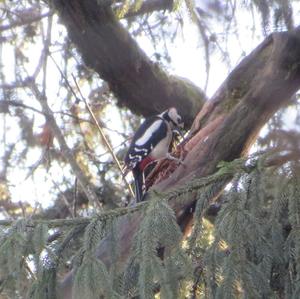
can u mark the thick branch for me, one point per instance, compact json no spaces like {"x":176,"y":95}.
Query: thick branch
{"x":260,"y":85}
{"x":107,"y":47}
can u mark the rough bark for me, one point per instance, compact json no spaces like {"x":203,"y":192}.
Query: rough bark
{"x":228,"y":124}
{"x":260,"y":85}
{"x":108,"y":48}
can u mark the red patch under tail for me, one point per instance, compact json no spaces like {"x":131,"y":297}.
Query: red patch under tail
{"x":145,"y":162}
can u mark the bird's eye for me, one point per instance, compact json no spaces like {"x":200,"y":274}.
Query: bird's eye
{"x":179,"y":119}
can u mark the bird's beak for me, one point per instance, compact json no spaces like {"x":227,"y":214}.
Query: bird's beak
{"x":179,"y":128}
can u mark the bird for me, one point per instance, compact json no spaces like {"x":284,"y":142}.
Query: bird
{"x":150,"y":143}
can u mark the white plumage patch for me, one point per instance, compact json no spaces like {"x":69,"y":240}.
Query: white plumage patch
{"x":148,"y":133}
{"x":140,"y":149}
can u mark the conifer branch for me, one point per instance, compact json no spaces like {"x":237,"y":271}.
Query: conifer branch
{"x":79,"y":221}
{"x":226,"y":170}
{"x":229,"y":169}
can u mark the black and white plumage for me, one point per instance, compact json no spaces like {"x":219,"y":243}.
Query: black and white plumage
{"x":151,"y":142}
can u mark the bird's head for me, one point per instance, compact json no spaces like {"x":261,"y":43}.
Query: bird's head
{"x":174,"y":119}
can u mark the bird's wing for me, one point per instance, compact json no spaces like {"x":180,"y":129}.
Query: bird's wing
{"x":149,"y":134}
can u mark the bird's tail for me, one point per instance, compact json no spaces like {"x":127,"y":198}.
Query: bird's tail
{"x":138,"y":183}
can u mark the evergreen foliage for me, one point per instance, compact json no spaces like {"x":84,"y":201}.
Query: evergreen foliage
{"x":92,"y":277}
{"x":251,"y":249}
{"x":157,"y":254}
{"x":13,"y":250}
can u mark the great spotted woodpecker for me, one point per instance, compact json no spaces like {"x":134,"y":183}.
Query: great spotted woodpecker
{"x":151,"y":142}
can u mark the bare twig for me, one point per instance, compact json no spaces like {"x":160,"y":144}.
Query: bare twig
{"x":36,"y":164}
{"x":65,"y":78}
{"x":105,"y":140}
{"x":42,"y":63}
{"x":28,"y":20}
{"x":75,"y":198}
{"x":14,"y":85}
{"x":202,"y":29}
{"x":66,"y":151}
{"x":4,"y":104}
{"x":65,"y":200}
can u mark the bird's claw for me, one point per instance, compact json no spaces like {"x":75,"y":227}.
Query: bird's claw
{"x":178,"y":160}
